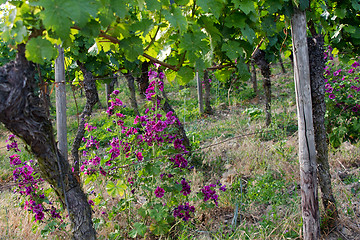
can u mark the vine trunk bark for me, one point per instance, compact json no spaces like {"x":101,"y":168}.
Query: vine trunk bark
{"x":208,"y":108}
{"x":23,"y":113}
{"x":253,"y":77}
{"x":317,"y":64}
{"x":130,"y":82}
{"x":260,"y":60}
{"x":92,"y":97}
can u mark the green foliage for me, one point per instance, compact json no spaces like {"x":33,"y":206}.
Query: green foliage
{"x":39,"y":49}
{"x":342,"y":102}
{"x":268,"y":188}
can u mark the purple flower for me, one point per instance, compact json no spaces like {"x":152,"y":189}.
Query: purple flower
{"x":152,"y":74}
{"x":159,"y":192}
{"x":355,"y":64}
{"x":161,"y":75}
{"x":336,"y":73}
{"x":115,"y":92}
{"x":332,"y":96}
{"x":183,"y":211}
{"x":222,"y":188}
{"x":139,"y":156}
{"x":329,"y":89}
{"x":39,"y":216}
{"x":15,"y":160}
{"x":185,"y":187}
{"x":209,"y":193}
{"x":91,"y":202}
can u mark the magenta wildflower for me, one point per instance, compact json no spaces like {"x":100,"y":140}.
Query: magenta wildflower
{"x":332,"y":96}
{"x":159,"y":192}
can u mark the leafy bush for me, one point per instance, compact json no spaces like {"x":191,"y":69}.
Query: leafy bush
{"x":342,"y":92}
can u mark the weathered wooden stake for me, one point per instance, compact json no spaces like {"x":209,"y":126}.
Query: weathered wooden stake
{"x":60,"y":93}
{"x":200,"y":95}
{"x":307,"y":152}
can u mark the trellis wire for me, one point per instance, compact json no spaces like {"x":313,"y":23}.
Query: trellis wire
{"x":12,"y":184}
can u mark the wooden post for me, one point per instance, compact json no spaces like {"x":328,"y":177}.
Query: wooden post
{"x":199,"y":90}
{"x":60,"y":93}
{"x":307,"y":152}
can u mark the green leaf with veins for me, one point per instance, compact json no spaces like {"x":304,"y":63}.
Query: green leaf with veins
{"x":213,"y":6}
{"x":242,"y":69}
{"x":52,"y":13}
{"x":232,"y":49}
{"x":176,"y":18}
{"x":119,"y":7}
{"x":144,"y":25}
{"x":153,"y":5}
{"x":244,"y":5}
{"x":80,"y":10}
{"x":185,"y":75}
{"x":38,"y":49}
{"x":236,"y":20}
{"x":132,"y":48}
{"x":194,"y":45}
{"x":139,"y":229}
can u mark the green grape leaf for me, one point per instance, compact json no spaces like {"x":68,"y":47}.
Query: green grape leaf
{"x":340,"y":12}
{"x":115,"y":190}
{"x":176,"y":18}
{"x":139,"y":229}
{"x":80,"y":10}
{"x":19,"y":31}
{"x":210,"y":28}
{"x":223,"y":75}
{"x":244,"y":5}
{"x":38,"y":49}
{"x":248,"y":33}
{"x":153,"y":5}
{"x":144,"y":25}
{"x":356,"y":5}
{"x":132,"y":48}
{"x":304,"y":4}
{"x":194,"y":45}
{"x":119,"y":7}
{"x":242,"y":69}
{"x":235,"y":19}
{"x":232,"y":49}
{"x":185,"y":75}
{"x":275,"y":6}
{"x":214,"y":6}
{"x":54,"y":10}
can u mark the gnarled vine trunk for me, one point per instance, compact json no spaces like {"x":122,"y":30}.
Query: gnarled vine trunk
{"x":260,"y":60}
{"x":130,"y":82}
{"x":22,"y":112}
{"x":317,"y":64}
{"x":92,"y":98}
{"x":143,"y":80}
{"x":208,"y":109}
{"x":253,"y":77}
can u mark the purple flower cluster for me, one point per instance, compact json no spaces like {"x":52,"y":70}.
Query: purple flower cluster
{"x":183,"y":211}
{"x":13,"y":145}
{"x":28,"y":179}
{"x":210,"y":193}
{"x":186,"y":190}
{"x":143,"y":138}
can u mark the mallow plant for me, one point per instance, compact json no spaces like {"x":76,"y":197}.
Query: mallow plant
{"x":342,"y":97}
{"x":145,"y":166}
